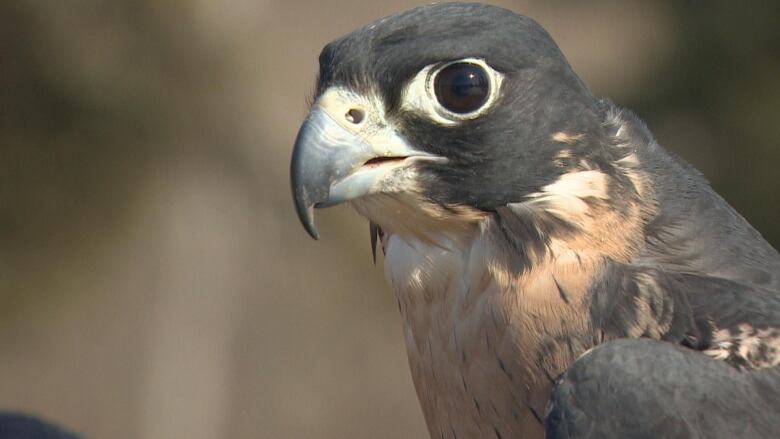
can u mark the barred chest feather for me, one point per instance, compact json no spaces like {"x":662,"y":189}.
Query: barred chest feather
{"x":485,"y":342}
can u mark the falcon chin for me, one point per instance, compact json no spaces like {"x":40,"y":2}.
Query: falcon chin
{"x":558,"y":273}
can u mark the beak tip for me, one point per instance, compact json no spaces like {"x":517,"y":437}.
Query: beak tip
{"x":312,"y":230}
{"x":306,"y":216}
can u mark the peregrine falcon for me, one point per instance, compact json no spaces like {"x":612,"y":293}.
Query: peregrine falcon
{"x":557,"y":271}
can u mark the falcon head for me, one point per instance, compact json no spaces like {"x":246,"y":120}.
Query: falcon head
{"x":442,"y":114}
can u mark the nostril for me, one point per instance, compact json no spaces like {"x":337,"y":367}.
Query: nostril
{"x":355,"y":115}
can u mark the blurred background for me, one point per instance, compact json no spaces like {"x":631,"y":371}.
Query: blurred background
{"x":154,"y":280}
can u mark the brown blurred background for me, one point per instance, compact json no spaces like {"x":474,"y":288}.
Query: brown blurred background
{"x":154,"y":280}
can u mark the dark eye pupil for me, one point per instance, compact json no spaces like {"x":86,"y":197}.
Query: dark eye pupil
{"x":462,"y":87}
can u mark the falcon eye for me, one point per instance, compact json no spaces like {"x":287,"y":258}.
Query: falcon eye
{"x":453,"y":92}
{"x":462,"y":87}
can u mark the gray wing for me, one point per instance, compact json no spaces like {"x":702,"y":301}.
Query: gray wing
{"x":641,"y":388}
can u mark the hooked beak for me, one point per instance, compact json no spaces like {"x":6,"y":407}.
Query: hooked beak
{"x":343,"y":151}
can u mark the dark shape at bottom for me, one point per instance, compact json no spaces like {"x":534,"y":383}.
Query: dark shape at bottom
{"x":20,"y":426}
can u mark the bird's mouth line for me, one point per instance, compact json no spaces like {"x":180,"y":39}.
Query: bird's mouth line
{"x":375,"y":163}
{"x":380,"y":161}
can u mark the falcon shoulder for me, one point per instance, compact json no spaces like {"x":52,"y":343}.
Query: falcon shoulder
{"x":724,"y":319}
